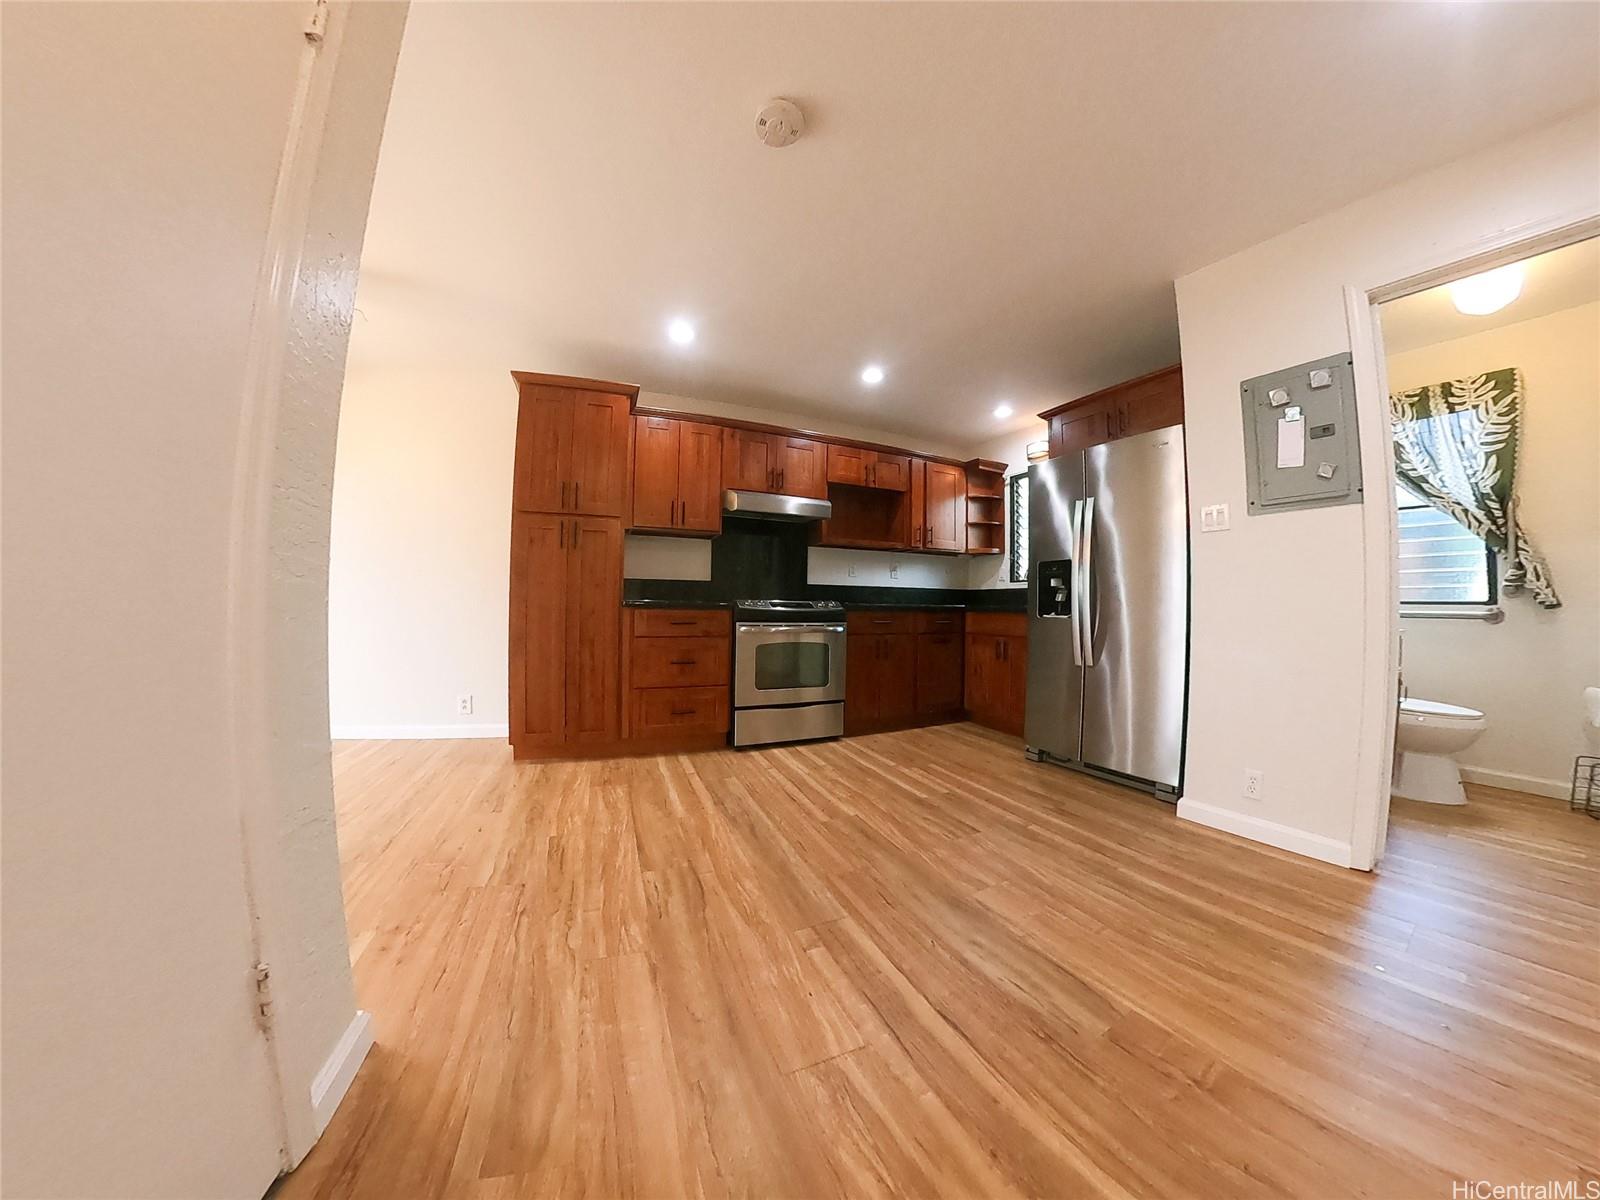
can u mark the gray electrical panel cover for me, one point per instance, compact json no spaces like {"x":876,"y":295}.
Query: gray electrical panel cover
{"x":1300,"y":445}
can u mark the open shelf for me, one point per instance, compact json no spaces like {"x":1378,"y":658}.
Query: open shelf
{"x":986,"y":493}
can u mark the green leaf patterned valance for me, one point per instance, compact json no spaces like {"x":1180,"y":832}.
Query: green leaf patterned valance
{"x":1455,"y":446}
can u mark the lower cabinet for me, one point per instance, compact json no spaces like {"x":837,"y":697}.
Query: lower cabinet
{"x":679,"y":671}
{"x":566,"y":575}
{"x":997,"y":670}
{"x":902,"y":668}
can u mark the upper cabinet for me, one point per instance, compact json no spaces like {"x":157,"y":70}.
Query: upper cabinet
{"x":572,"y":446}
{"x":677,"y":466}
{"x":757,"y":461}
{"x":1152,"y":401}
{"x":938,"y":506}
{"x":859,"y":466}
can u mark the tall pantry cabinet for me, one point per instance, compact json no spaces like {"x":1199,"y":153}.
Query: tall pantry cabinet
{"x":570,"y":493}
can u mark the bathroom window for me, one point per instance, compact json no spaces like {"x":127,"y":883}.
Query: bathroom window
{"x":1442,"y":562}
{"x":1017,"y":519}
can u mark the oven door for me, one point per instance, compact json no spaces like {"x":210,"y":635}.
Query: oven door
{"x":787,"y":664}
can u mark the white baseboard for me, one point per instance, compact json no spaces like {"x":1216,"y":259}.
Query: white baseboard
{"x":333,"y":1081}
{"x":1258,"y":829}
{"x":362,"y":733}
{"x":1560,"y":789}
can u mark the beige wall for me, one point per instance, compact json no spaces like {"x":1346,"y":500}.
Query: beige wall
{"x":165,"y":460}
{"x":1289,"y":671}
{"x":1526,"y":673}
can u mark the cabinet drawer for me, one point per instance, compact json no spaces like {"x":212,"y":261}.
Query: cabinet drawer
{"x":879,"y":621}
{"x":1004,"y":624}
{"x":940,"y":622}
{"x":679,"y":710}
{"x":661,"y":662}
{"x":681,"y":622}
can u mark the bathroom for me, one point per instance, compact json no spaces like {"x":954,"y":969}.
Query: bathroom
{"x":1494,"y":384}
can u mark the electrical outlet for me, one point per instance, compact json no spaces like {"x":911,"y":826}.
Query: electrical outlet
{"x":894,"y":570}
{"x":464,"y":705}
{"x":1253,"y":782}
{"x":850,"y":570}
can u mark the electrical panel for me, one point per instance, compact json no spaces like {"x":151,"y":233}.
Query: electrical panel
{"x":1301,"y":449}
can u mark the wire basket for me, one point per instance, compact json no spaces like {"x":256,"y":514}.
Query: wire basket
{"x":1586,"y":784}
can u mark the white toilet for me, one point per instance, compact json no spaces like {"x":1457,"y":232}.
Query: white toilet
{"x":1429,"y":736}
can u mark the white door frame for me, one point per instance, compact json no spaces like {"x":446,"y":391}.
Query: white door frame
{"x":1380,"y":599}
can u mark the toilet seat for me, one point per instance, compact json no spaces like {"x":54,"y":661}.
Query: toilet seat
{"x":1434,"y":710}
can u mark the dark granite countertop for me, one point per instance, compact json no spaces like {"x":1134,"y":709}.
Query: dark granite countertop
{"x":676,"y":604}
{"x":902,"y":606}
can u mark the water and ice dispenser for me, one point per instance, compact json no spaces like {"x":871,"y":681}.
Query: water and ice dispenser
{"x":1053,"y":595}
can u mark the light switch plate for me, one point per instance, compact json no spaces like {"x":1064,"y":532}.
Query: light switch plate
{"x":1213,"y":518}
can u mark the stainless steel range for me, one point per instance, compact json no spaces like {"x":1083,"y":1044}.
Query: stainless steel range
{"x":788,"y":670}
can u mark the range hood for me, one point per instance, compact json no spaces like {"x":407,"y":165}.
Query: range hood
{"x":776,"y":508}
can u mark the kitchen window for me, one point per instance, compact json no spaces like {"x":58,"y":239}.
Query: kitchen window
{"x":1017,"y":526}
{"x":1445,"y":568}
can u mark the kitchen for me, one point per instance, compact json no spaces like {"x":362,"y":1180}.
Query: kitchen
{"x":756,"y":654}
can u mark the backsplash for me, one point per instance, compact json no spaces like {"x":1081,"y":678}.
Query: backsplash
{"x":754,"y":557}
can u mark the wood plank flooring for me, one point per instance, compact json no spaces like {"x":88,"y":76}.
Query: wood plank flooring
{"x":915,"y":964}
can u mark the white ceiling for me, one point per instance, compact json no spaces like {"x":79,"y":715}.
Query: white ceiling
{"x":1553,"y":281}
{"x":991,"y":200}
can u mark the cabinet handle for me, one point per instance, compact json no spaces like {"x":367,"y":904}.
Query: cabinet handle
{"x":689,"y":622}
{"x":675,"y":504}
{"x":683,"y":662}
{"x":783,"y":473}
{"x":683,"y":712}
{"x":563,"y":541}
{"x":1111,"y":429}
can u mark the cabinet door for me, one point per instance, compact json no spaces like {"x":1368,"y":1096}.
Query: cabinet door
{"x":656,"y":443}
{"x":944,"y":507}
{"x":1152,"y":403}
{"x":890,"y":473}
{"x":599,"y":471}
{"x":802,"y":468}
{"x":862,"y":672}
{"x":919,"y":503}
{"x":749,"y":461}
{"x":939,"y":679}
{"x":848,"y":465}
{"x":544,"y":440}
{"x":538,"y":640}
{"x":699,"y":477}
{"x":980,"y":669}
{"x":1012,"y":702}
{"x":897,"y":702}
{"x":594,"y":628}
{"x":1081,"y":426}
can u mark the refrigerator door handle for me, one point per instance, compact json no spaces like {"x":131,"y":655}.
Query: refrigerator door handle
{"x":1086,"y":582}
{"x":1075,"y":545}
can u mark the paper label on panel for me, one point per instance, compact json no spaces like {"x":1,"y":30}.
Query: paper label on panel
{"x":1291,"y":444}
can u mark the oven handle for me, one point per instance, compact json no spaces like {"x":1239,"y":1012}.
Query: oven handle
{"x":753,"y":628}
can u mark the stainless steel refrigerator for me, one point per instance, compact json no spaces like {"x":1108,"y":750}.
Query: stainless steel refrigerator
{"x":1108,"y":607}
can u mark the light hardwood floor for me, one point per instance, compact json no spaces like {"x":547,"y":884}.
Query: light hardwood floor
{"x":914,"y":964}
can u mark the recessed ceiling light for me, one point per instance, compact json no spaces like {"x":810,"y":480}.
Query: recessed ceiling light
{"x":872,"y":375}
{"x":1480,"y":295}
{"x":1002,"y":411}
{"x":680,"y":331}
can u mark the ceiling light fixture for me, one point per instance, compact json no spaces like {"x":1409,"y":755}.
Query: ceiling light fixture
{"x":1002,"y":411}
{"x":1489,"y":292}
{"x":680,"y":331}
{"x":872,"y":375}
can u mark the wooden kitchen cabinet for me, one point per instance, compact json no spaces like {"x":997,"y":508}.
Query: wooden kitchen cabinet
{"x":566,"y":577}
{"x":1150,"y":402}
{"x":757,"y":461}
{"x":676,"y":476}
{"x":938,"y":506}
{"x":880,"y":681}
{"x":678,"y":678}
{"x":996,"y":670}
{"x":572,"y":445}
{"x":862,"y":466}
{"x":940,"y":679}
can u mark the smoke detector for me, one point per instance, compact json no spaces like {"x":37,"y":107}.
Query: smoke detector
{"x":779,"y":123}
